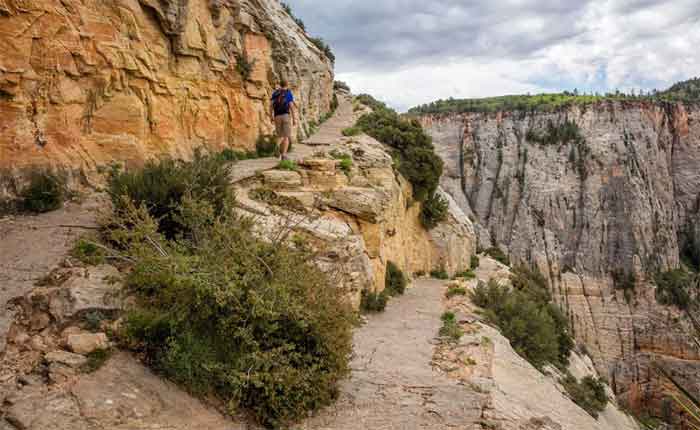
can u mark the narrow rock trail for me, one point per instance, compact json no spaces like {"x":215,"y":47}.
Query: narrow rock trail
{"x":332,"y":130}
{"x":329,"y":133}
{"x":393,"y":384}
{"x":30,"y":246}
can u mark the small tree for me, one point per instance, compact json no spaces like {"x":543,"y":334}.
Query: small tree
{"x":46,"y":192}
{"x":395,"y":281}
{"x":434,"y":211}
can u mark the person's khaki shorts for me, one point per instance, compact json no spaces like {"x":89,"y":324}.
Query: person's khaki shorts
{"x":283,"y":126}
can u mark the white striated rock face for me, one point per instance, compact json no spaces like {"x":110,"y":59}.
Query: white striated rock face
{"x":519,"y":395}
{"x":627,"y":199}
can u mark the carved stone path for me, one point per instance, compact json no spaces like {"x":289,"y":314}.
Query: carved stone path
{"x":30,"y":246}
{"x":329,"y":133}
{"x":332,"y":130}
{"x":393,"y":384}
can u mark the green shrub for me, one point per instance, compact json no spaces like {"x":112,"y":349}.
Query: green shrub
{"x":345,"y":160}
{"x":677,"y":288}
{"x":340,"y":85}
{"x":465,"y":274}
{"x":474,"y":262}
{"x":434,"y":211}
{"x":93,"y":320}
{"x":346,"y":165}
{"x":162,"y":185}
{"x":97,"y":359}
{"x":244,"y":66}
{"x":497,"y":254}
{"x":418,"y":161}
{"x":557,"y":134}
{"x":231,"y":155}
{"x":266,"y":146}
{"x":370,"y":102}
{"x":290,"y":165}
{"x":228,"y":154}
{"x":536,"y":328}
{"x":372,"y":302}
{"x":351,"y":131}
{"x":334,"y":105}
{"x":589,"y":394}
{"x":323,"y":47}
{"x":440,"y":273}
{"x":46,"y":192}
{"x":395,"y":281}
{"x":690,"y":249}
{"x":287,"y":8}
{"x":453,"y":291}
{"x":89,"y":252}
{"x":527,"y":103}
{"x":225,"y":314}
{"x":625,"y":281}
{"x":450,"y":327}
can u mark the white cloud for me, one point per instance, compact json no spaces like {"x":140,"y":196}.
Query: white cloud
{"x":416,"y":85}
{"x":412,"y":51}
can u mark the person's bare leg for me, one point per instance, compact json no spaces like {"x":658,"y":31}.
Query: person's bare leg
{"x":279,"y":145}
{"x":284,"y":146}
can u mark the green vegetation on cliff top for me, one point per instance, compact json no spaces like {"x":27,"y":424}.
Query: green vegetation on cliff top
{"x":413,"y":152}
{"x":687,"y":91}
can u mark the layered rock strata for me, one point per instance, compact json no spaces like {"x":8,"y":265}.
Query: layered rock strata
{"x":86,"y":84}
{"x":622,"y":199}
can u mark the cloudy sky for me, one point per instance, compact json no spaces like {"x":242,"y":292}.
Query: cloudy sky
{"x":408,"y":52}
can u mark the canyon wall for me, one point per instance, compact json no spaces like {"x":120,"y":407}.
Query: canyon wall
{"x":87,"y":83}
{"x":624,"y":199}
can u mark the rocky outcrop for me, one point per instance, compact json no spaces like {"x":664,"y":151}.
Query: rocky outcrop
{"x":355,"y":220}
{"x":519,"y":395}
{"x":85,"y":84}
{"x":623,"y":198}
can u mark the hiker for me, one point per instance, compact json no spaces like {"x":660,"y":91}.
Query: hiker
{"x":283,"y":116}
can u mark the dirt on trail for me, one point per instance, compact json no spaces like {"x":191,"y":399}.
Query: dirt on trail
{"x":393,"y":383}
{"x":31,"y":246}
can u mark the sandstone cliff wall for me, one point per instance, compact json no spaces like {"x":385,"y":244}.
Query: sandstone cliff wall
{"x":625,"y":199}
{"x":86,"y":83}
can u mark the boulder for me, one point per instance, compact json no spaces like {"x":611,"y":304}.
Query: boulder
{"x":367,"y":204}
{"x":85,"y":343}
{"x":306,"y":198}
{"x":455,"y":237}
{"x":281,"y":179}
{"x":65,"y":358}
{"x":320,"y":164}
{"x":91,"y":289}
{"x":326,"y":181}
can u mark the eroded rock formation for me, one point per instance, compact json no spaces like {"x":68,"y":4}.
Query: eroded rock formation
{"x":519,"y":395}
{"x":356,"y":220}
{"x":624,"y":199}
{"x":84,"y":84}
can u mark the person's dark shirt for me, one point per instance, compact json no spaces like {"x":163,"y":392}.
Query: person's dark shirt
{"x":282,"y":108}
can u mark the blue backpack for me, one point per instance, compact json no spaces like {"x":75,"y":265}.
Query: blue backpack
{"x":281,"y":102}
